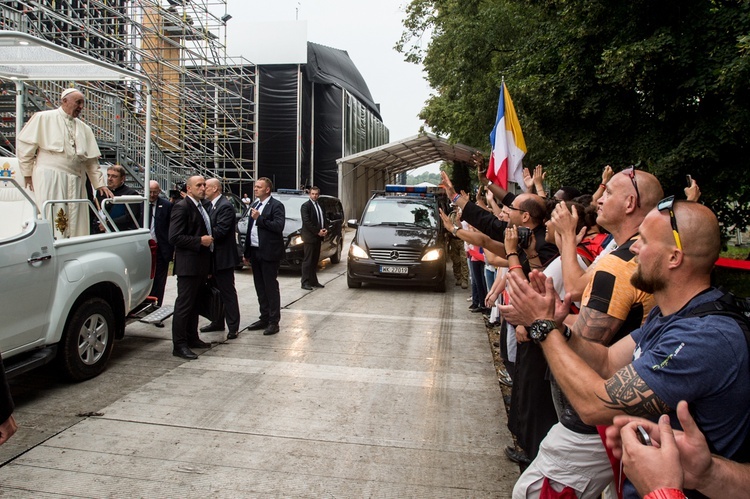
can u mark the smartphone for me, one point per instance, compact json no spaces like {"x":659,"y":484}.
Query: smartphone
{"x":643,"y":435}
{"x":689,"y":179}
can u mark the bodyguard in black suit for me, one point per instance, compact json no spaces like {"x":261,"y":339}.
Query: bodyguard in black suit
{"x":264,"y":249}
{"x":313,"y":231}
{"x":190,"y":233}
{"x":159,"y":214}
{"x":225,"y":257}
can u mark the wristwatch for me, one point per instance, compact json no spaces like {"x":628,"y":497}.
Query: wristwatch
{"x":455,"y":229}
{"x":539,"y":329}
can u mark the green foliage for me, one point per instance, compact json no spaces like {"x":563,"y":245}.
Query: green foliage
{"x":596,"y":82}
{"x":433,"y":178}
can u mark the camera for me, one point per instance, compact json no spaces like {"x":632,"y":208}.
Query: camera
{"x":524,"y":237}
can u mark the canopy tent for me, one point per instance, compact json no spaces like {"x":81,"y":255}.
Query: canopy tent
{"x":361,"y":173}
{"x":26,"y":58}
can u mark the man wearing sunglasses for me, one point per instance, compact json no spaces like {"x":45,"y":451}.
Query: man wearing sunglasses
{"x":674,"y":356}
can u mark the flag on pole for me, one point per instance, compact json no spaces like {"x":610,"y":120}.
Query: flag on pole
{"x":508,"y":146}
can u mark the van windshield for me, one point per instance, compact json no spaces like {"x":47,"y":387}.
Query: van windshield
{"x":400,"y":212}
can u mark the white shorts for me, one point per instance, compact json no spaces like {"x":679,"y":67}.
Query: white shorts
{"x":568,"y":459}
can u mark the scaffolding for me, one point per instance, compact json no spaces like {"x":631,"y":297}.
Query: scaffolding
{"x":204,"y":104}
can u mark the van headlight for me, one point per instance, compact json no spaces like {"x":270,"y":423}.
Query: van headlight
{"x":432,"y":255}
{"x":357,"y":252}
{"x":296,"y":241}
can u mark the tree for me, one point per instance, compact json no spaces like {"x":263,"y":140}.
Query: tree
{"x":662,"y":85}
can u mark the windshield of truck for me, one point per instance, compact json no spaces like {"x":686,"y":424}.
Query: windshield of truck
{"x":400,"y":212}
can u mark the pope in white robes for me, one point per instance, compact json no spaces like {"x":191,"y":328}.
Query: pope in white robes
{"x":55,"y":150}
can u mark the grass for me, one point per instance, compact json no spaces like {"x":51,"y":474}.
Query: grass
{"x":736,"y":281}
{"x":736,"y":252}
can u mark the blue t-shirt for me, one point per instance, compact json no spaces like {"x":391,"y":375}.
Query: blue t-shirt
{"x":703,"y":360}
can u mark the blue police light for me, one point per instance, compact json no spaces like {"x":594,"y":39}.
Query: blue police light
{"x":416,"y":189}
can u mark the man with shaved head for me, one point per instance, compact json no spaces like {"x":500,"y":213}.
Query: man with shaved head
{"x":225,"y":257}
{"x":572,"y":454}
{"x":56,"y":150}
{"x":675,"y":355}
{"x":190,"y":233}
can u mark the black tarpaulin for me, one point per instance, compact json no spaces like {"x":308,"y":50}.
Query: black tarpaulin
{"x":277,"y":124}
{"x":334,"y":67}
{"x":328,"y":127}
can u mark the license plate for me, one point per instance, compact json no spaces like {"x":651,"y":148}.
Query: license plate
{"x":393,"y":269}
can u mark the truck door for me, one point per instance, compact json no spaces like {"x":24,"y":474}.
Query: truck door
{"x":27,"y":272}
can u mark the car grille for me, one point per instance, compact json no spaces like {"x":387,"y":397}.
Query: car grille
{"x":395,"y":255}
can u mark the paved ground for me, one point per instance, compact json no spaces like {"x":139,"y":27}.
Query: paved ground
{"x":374,"y":392}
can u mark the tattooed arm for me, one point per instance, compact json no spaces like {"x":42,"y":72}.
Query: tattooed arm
{"x":597,"y":398}
{"x":596,"y":328}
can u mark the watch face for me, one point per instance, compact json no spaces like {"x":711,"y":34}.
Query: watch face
{"x":534,"y":331}
{"x":540,"y":329}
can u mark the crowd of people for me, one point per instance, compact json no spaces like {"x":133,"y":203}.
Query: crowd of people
{"x":596,"y":298}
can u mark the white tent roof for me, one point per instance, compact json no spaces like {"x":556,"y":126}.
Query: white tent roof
{"x":361,"y":173}
{"x":408,"y":154}
{"x":25,"y":57}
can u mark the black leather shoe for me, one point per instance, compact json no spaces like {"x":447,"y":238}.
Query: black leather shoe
{"x":210,"y":328}
{"x":257,"y":325}
{"x":318,"y":286}
{"x":517,"y":456}
{"x":232,"y":335}
{"x":307,"y":287}
{"x":199,"y":344}
{"x":271,"y":329}
{"x":184,"y":352}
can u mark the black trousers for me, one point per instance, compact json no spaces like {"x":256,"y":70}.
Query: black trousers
{"x":185,"y":319}
{"x":160,"y":278}
{"x":225,"y":283}
{"x":265,"y":278}
{"x":310,"y":263}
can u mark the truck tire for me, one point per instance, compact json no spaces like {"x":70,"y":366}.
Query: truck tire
{"x":440,"y":286}
{"x":336,"y":257}
{"x":88,"y":340}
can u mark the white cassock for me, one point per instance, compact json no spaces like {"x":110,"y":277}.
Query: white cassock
{"x":56,"y":151}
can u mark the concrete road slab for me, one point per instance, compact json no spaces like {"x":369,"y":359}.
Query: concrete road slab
{"x":372,"y":392}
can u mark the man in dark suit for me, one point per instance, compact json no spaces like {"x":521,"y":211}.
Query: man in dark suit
{"x":225,"y":257}
{"x":159,"y":214}
{"x":264,"y":249}
{"x":190,"y":233}
{"x":313,"y":231}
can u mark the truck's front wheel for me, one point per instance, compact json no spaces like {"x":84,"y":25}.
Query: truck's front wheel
{"x":87,"y":344}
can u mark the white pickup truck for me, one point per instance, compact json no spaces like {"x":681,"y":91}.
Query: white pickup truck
{"x":64,"y":299}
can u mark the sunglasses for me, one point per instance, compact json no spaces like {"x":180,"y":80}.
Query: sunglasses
{"x":631,"y":174}
{"x":668,"y":204}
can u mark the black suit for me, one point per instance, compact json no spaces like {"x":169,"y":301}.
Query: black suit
{"x":159,"y":215}
{"x":265,"y":258}
{"x":311,"y":226}
{"x":192,"y":264}
{"x":223,"y":225}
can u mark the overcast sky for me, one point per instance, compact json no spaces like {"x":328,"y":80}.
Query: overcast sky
{"x":367,"y":30}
